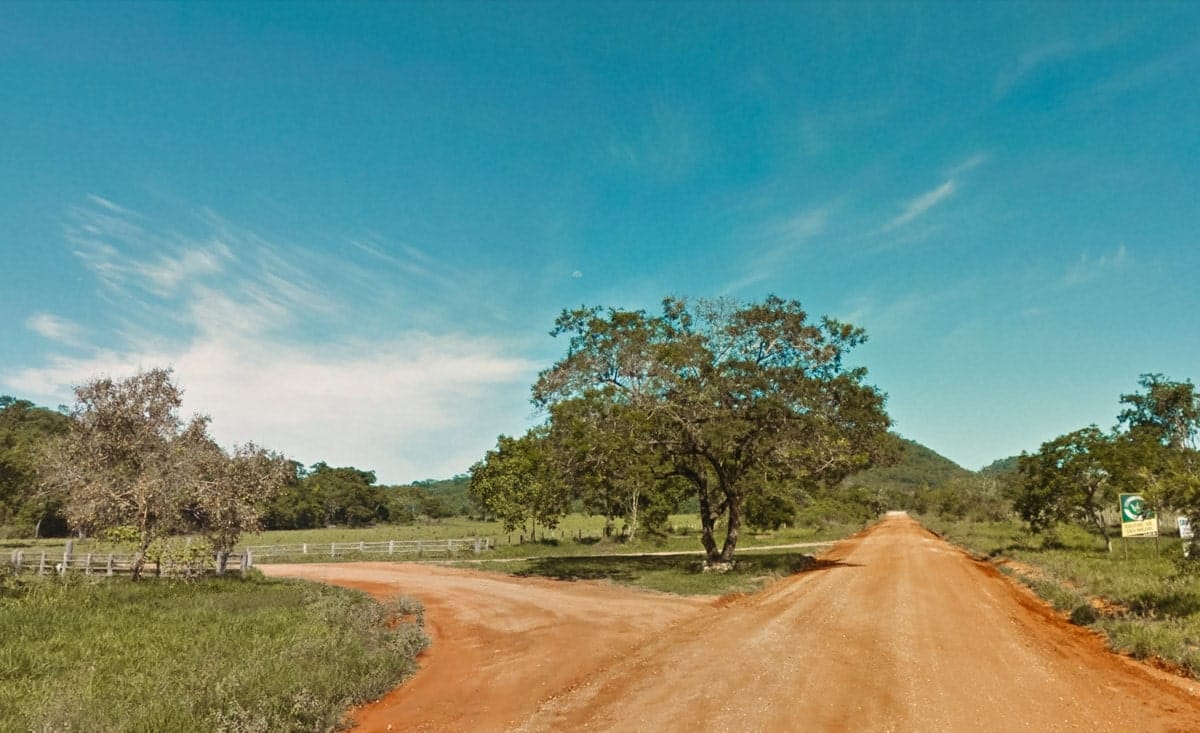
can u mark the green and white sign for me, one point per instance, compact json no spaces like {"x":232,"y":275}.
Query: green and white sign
{"x":1136,"y":519}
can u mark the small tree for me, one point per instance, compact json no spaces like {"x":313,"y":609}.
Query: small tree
{"x":1071,"y":478}
{"x":129,"y":461}
{"x":515,"y":482}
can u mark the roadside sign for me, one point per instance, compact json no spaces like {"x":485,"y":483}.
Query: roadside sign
{"x":1185,"y":527}
{"x":1136,"y":519}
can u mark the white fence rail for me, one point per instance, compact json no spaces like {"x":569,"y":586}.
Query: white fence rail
{"x":419,"y":548}
{"x":108,"y":563}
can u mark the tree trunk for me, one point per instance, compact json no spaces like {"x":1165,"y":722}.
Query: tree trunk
{"x":1098,"y":520}
{"x":707,"y":522}
{"x":735,"y":524}
{"x":139,"y":560}
{"x":633,"y":516}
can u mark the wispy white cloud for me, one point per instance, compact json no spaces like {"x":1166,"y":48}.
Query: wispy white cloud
{"x":55,"y":328}
{"x":1087,"y":268}
{"x":1027,"y":63}
{"x":277,"y":343}
{"x":125,"y":256}
{"x":923,"y":203}
{"x":919,"y":206}
{"x":970,"y":164}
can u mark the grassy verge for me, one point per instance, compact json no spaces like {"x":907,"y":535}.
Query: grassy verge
{"x":216,"y":655}
{"x":1137,"y":594}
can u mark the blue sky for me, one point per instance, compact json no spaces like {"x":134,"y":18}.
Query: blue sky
{"x":349,"y":227}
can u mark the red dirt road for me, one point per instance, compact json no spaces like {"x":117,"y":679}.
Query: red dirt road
{"x":894,"y":631}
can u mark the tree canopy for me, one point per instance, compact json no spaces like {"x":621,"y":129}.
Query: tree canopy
{"x":725,"y":396}
{"x":1071,"y":478}
{"x":128,"y":460}
{"x":24,"y":430}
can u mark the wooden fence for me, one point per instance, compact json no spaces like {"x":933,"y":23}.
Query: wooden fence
{"x":101,"y":563}
{"x":419,"y":548}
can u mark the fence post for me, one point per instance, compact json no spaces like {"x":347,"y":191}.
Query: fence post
{"x":19,"y":556}
{"x":391,"y":547}
{"x":42,"y":564}
{"x":247,"y":561}
{"x":88,"y":568}
{"x":222,"y":558}
{"x":109,"y":569}
{"x":418,"y":548}
{"x":333,"y":549}
{"x":362,"y":546}
{"x":476,"y":545}
{"x":304,"y":548}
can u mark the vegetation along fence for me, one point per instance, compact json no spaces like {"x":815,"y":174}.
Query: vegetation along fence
{"x":418,"y":548}
{"x":101,"y":563}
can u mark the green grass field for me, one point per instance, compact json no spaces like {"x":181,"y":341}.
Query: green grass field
{"x":82,"y":654}
{"x":1137,"y":594}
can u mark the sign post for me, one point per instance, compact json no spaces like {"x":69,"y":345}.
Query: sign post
{"x":1136,"y":519}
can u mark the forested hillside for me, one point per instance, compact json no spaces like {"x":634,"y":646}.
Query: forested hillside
{"x":918,"y":466}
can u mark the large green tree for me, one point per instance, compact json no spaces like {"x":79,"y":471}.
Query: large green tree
{"x":728,"y":396}
{"x":24,"y":431}
{"x":346,"y":495}
{"x":130,"y":461}
{"x":1071,"y":478}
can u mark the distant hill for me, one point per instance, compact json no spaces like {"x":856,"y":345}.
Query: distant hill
{"x":918,"y":466}
{"x":1000,"y":466}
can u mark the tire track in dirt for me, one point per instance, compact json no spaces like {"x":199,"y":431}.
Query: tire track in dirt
{"x":892,"y":630}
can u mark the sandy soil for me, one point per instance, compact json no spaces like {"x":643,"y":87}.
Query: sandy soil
{"x":894,"y":630}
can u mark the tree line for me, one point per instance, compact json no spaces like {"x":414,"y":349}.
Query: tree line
{"x":123,"y":463}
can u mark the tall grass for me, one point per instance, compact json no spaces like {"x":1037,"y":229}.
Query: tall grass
{"x":215,"y":655}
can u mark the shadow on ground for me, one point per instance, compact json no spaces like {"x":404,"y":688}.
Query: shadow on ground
{"x":627,"y":569}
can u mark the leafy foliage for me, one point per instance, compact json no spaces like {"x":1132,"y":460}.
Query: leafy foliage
{"x":129,"y":460}
{"x":726,"y":396}
{"x":24,"y":431}
{"x":517,"y":484}
{"x":1071,"y":478}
